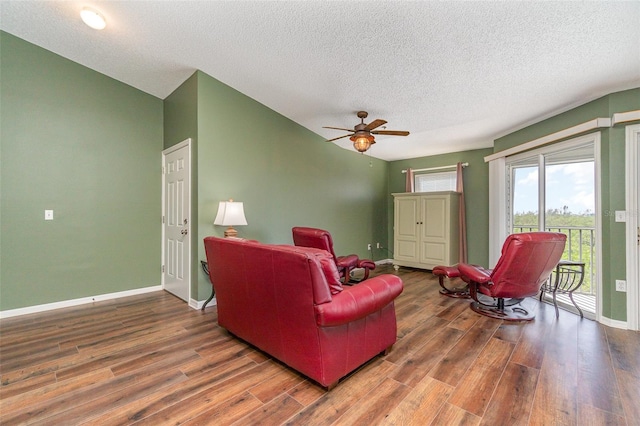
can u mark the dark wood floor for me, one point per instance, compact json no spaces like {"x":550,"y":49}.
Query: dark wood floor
{"x":150,"y":359}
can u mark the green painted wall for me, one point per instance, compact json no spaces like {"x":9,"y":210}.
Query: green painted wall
{"x":88,"y":147}
{"x":476,"y":188}
{"x":578,"y":115}
{"x":612,"y":183}
{"x":285,"y":174}
{"x":182,"y":107}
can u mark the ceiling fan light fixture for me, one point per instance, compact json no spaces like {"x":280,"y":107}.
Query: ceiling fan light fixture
{"x":93,"y":18}
{"x":362,"y":134}
{"x":362,"y":142}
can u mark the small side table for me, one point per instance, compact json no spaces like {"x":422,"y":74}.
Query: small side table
{"x":205,"y":268}
{"x":567,"y":278}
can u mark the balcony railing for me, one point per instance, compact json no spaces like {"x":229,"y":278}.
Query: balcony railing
{"x":581,"y":247}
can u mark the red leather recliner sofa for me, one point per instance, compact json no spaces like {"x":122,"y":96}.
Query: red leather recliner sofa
{"x":289,"y":302}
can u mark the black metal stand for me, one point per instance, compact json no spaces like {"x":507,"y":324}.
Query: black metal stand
{"x":568,"y":278}
{"x":205,"y":268}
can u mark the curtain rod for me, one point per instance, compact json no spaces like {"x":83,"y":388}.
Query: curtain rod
{"x":437,"y":168}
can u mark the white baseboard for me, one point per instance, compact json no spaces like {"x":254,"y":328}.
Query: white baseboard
{"x":197,"y":304}
{"x":613,"y":323}
{"x":75,"y":302}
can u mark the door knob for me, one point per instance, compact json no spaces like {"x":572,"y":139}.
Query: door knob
{"x":184,"y":232}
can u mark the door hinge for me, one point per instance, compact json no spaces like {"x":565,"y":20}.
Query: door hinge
{"x":162,"y":169}
{"x":163,"y":219}
{"x":163,"y":269}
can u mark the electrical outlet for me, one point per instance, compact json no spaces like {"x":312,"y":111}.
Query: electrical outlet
{"x":48,"y":215}
{"x":621,"y":285}
{"x":378,"y":245}
{"x":369,"y":247}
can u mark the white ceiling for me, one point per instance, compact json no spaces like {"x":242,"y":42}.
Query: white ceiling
{"x":455,"y":74}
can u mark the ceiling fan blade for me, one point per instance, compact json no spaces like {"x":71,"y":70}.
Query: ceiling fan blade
{"x":374,"y":124}
{"x":339,"y":137}
{"x":337,"y":128}
{"x":390,"y":132}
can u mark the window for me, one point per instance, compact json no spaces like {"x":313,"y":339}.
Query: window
{"x":433,"y":182}
{"x":550,"y":187}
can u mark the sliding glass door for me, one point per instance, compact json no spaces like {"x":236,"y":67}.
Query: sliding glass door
{"x":554,"y":189}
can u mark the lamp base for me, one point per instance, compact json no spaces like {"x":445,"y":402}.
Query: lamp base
{"x":230,"y":232}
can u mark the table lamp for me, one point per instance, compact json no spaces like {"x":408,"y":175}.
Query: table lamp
{"x":230,"y":213}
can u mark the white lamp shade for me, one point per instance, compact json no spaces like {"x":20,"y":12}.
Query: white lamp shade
{"x":230,"y":213}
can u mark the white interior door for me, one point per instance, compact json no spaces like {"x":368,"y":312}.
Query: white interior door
{"x":636,"y":213}
{"x":635,"y":275}
{"x":176,"y":241}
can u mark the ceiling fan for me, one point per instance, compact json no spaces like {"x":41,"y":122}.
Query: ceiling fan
{"x":362,"y":134}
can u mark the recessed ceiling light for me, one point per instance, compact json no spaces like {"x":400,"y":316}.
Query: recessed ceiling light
{"x":93,"y":18}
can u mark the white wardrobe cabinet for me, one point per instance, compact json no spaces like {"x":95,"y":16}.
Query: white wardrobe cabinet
{"x":425,"y":229}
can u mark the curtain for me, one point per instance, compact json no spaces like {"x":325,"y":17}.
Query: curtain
{"x":410,"y":182}
{"x":497,"y":208}
{"x":462,"y":220}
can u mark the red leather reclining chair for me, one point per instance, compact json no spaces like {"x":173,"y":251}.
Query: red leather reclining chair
{"x":321,"y":239}
{"x":526,"y":262}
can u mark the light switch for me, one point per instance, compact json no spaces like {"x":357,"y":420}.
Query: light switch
{"x":621,"y":216}
{"x":48,"y":215}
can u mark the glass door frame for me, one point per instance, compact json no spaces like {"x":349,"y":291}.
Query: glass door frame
{"x":506,"y":216}
{"x":632,"y":206}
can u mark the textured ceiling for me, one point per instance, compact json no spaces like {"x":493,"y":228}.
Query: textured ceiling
{"x":455,"y":74}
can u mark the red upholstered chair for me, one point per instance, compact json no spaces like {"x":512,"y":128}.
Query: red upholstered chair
{"x":289,"y":302}
{"x":526,"y":262}
{"x":321,"y":239}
